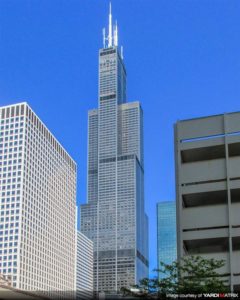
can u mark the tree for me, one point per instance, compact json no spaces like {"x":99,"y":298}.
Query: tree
{"x":192,"y":274}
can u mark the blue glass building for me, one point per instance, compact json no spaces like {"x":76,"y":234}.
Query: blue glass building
{"x":166,"y":233}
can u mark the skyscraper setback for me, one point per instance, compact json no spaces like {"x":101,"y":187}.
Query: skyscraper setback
{"x":114,"y":216}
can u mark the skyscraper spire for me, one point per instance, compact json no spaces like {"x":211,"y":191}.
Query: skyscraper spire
{"x":112,"y":38}
{"x":110,"y":26}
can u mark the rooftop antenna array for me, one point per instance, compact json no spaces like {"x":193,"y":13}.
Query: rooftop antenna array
{"x":112,"y":38}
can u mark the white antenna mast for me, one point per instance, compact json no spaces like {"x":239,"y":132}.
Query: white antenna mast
{"x":110,"y":27}
{"x":104,"y":37}
{"x":115,"y":36}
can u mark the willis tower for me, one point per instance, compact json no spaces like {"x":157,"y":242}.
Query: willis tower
{"x":114,"y":217}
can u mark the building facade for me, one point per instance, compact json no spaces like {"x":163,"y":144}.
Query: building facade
{"x":166,"y":233}
{"x":38,"y":196}
{"x":207,"y":155}
{"x":114,"y":217}
{"x":84,"y":278}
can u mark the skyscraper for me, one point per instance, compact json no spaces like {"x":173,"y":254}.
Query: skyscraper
{"x":207,"y":155}
{"x":38,"y":197}
{"x":114,"y":217}
{"x":166,"y":233}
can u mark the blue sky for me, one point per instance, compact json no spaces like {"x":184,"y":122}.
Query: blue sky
{"x":182,"y":60}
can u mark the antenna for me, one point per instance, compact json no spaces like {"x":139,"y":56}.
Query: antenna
{"x":115,"y":36}
{"x":110,"y":26}
{"x":122,"y":52}
{"x":104,"y":37}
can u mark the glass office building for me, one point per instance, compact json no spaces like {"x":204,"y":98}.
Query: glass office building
{"x":166,"y":233}
{"x":114,"y":217}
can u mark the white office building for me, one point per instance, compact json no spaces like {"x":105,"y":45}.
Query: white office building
{"x":37,"y":198}
{"x":84,"y":276}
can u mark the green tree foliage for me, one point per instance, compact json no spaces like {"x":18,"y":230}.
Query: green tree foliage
{"x":192,"y":274}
